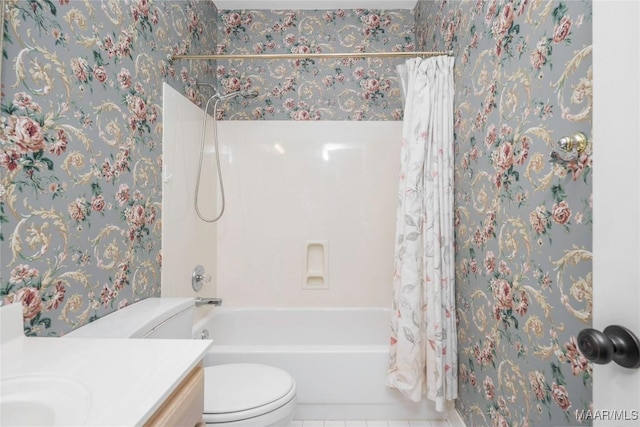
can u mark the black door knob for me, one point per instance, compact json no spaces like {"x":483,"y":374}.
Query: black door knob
{"x":615,"y":343}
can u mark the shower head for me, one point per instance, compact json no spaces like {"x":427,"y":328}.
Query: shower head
{"x":247,"y":94}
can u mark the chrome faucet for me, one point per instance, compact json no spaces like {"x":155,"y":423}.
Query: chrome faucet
{"x":208,"y":301}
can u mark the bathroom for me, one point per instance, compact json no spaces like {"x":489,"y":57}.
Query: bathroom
{"x":83,"y":224}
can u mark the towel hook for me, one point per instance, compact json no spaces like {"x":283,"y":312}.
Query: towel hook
{"x":574,"y":144}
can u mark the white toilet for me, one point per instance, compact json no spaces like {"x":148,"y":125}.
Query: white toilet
{"x":237,"y":394}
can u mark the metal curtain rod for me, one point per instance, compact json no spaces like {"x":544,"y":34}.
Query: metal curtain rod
{"x":316,"y":55}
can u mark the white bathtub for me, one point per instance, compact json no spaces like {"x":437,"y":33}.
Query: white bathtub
{"x":338,"y":357}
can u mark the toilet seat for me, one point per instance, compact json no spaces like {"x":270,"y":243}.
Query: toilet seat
{"x":240,"y":391}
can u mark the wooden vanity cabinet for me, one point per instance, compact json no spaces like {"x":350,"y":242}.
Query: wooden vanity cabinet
{"x":184,"y":407}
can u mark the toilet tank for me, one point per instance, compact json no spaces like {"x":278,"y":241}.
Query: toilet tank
{"x":167,"y":318}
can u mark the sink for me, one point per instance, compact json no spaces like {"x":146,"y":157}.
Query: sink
{"x":43,"y":400}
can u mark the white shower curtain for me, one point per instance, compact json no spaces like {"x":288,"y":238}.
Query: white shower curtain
{"x":423,"y":354}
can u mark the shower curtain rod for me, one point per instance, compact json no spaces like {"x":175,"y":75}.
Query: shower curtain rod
{"x":316,"y":55}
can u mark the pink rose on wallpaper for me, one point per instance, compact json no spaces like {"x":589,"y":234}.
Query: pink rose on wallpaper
{"x":257,"y":113}
{"x":191,"y":94}
{"x":57,"y":297}
{"x":505,"y":20}
{"x":473,"y":266}
{"x":233,"y":19}
{"x":24,"y":101}
{"x":536,"y":380}
{"x":136,"y":215}
{"x":539,"y":55}
{"x":289,"y":39}
{"x":9,"y":159}
{"x":524,"y":152}
{"x":503,"y":268}
{"x":499,"y":420}
{"x":372,"y":85}
{"x":98,"y":203}
{"x":26,"y":134}
{"x":560,"y":396}
{"x":474,"y":153}
{"x":289,"y":19}
{"x":138,"y":107}
{"x":143,"y":7}
{"x":100,"y":74}
{"x":372,"y":21}
{"x":503,"y":157}
{"x":503,"y":295}
{"x":193,"y":24}
{"x":450,"y":33}
{"x":490,"y":139}
{"x":123,"y":194}
{"x":59,"y":145}
{"x":489,"y":262}
{"x":184,"y":74}
{"x":78,"y":209}
{"x":79,"y":68}
{"x":288,"y":104}
{"x":523,"y":304}
{"x":491,"y":11}
{"x":232,"y":84}
{"x":562,"y":29}
{"x":301,"y":115}
{"x":489,"y":388}
{"x":22,"y":273}
{"x":538,"y":219}
{"x":151,"y":215}
{"x":109,"y":46}
{"x":579,"y":363}
{"x":358,"y":73}
{"x":561,"y":212}
{"x":31,"y":302}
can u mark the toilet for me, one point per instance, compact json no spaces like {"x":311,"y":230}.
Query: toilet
{"x":235,"y":394}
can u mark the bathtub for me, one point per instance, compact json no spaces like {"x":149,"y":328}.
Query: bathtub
{"x":338,"y":357}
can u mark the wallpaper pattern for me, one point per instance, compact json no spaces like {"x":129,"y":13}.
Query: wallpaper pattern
{"x":81,"y":150}
{"x":523,"y":216}
{"x":313,"y":89}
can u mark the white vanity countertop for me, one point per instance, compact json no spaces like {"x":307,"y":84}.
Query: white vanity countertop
{"x":128,"y":379}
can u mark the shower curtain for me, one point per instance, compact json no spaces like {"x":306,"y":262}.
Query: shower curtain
{"x":423,"y":353}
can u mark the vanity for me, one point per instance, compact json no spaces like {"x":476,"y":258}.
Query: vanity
{"x":91,"y":382}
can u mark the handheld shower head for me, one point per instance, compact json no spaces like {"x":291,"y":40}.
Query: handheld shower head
{"x":247,"y":94}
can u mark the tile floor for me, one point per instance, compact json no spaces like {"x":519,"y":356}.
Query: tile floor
{"x":376,"y":423}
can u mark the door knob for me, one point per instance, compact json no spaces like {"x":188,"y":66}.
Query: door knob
{"x":615,"y":343}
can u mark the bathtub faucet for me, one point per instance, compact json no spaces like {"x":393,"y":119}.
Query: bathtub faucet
{"x":208,"y":301}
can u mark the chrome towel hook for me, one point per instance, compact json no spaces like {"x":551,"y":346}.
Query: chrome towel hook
{"x":575,"y":144}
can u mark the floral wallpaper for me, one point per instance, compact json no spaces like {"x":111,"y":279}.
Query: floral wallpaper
{"x":313,"y":89}
{"x":523,"y":216}
{"x":81,"y":149}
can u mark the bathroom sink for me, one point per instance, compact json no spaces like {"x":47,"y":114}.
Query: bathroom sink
{"x":43,"y":400}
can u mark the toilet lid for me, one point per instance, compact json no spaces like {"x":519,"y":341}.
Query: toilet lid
{"x":244,"y":390}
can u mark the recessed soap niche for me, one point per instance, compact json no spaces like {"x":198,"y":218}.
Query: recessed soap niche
{"x":315,"y":274}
